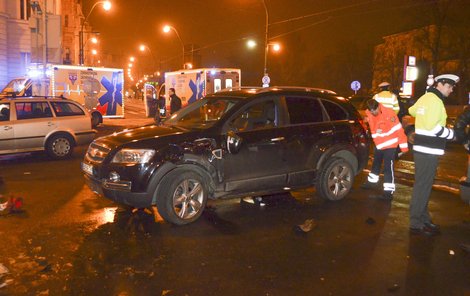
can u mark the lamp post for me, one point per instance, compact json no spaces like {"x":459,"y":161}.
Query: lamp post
{"x":106,"y":6}
{"x":167,"y":29}
{"x":266,"y":79}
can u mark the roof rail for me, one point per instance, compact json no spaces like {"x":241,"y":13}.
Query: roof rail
{"x":280,"y":88}
{"x":33,"y":97}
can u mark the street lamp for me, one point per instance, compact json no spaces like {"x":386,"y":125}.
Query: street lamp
{"x":143,"y":47}
{"x":276,"y":46}
{"x":251,"y":43}
{"x":93,"y":40}
{"x":106,"y":6}
{"x":167,"y":29}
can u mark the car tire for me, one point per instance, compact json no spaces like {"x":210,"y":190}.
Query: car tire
{"x":182,"y":196}
{"x":59,"y":146}
{"x":335,"y":179}
{"x":96,"y":119}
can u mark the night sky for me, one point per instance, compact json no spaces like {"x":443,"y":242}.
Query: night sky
{"x":315,"y":35}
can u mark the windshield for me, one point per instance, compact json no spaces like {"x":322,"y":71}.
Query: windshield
{"x":203,"y":113}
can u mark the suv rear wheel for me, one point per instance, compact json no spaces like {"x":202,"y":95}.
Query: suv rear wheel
{"x":182,"y":196}
{"x":59,"y":146}
{"x":335,"y":180}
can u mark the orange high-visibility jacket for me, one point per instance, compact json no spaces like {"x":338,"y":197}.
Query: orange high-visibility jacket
{"x":386,"y":129}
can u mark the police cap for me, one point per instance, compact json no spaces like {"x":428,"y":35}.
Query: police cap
{"x":384,"y":84}
{"x":447,"y":78}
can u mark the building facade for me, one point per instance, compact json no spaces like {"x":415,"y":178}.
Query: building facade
{"x":15,"y":39}
{"x":40,"y":32}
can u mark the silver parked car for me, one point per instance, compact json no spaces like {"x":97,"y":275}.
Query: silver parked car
{"x":55,"y":125}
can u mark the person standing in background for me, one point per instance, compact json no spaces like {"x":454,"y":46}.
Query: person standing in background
{"x":387,"y":98}
{"x":175,"y":101}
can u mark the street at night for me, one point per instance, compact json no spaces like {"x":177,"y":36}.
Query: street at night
{"x":69,"y":241}
{"x":234,"y":147}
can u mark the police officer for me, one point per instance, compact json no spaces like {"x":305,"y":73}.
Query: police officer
{"x":387,"y":98}
{"x":430,"y":141}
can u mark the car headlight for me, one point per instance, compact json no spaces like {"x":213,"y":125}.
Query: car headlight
{"x":133,"y":156}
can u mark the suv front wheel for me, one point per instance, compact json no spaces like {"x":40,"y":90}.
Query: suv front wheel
{"x":335,"y":179}
{"x":182,"y":196}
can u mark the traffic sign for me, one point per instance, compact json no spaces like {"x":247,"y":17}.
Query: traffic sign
{"x":266,"y":80}
{"x":355,"y":85}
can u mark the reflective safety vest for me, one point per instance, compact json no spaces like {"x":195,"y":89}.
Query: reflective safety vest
{"x":388,"y":100}
{"x":386,"y":129}
{"x":431,"y":133}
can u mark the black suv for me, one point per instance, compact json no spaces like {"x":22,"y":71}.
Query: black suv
{"x":234,"y":143}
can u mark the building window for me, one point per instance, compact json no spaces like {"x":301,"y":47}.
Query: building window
{"x":66,"y":21}
{"x":25,"y":8}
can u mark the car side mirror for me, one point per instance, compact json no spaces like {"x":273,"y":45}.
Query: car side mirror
{"x":234,"y":142}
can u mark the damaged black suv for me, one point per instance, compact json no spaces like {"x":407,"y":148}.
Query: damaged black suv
{"x":234,"y":143}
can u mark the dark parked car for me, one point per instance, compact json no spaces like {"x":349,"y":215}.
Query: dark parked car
{"x":234,"y":143}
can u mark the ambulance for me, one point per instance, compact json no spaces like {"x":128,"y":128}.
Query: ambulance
{"x":191,"y":85}
{"x":98,"y":89}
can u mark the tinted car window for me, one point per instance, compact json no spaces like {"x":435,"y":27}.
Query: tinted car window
{"x":4,"y":112}
{"x":202,"y":113}
{"x":257,"y":116}
{"x":334,"y":111}
{"x":29,"y":110}
{"x":304,"y":110}
{"x":66,"y":109}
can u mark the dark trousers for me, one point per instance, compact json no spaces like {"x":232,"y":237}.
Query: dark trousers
{"x":425,"y":171}
{"x":387,"y":156}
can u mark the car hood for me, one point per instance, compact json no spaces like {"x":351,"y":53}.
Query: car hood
{"x":137,"y":136}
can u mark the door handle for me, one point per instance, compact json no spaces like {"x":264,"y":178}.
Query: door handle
{"x":326,"y":132}
{"x":277,"y":139}
{"x":7,"y":127}
{"x":50,"y":123}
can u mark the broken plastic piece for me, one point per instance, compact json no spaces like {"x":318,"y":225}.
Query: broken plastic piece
{"x":307,"y":226}
{"x":13,"y":204}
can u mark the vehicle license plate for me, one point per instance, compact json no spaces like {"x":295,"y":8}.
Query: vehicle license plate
{"x":87,"y":168}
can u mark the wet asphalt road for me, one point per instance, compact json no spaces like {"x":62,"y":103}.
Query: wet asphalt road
{"x":68,"y":241}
